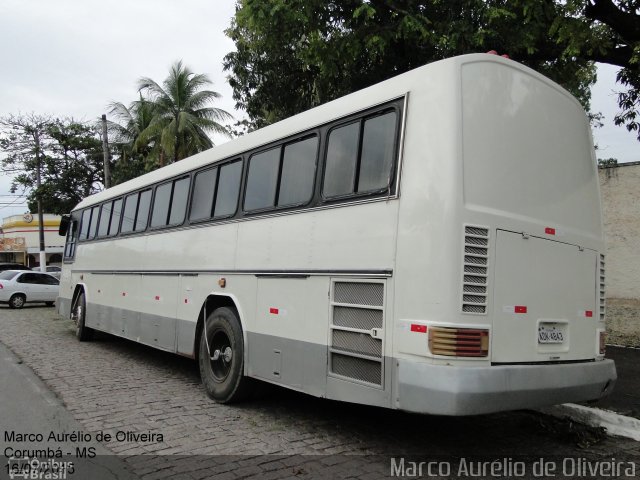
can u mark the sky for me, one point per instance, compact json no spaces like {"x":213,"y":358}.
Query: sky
{"x":71,"y":58}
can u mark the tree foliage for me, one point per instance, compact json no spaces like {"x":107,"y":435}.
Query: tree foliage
{"x":293,"y":54}
{"x":69,"y":153}
{"x":169,"y":122}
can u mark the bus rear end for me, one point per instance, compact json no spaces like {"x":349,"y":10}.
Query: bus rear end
{"x":528,"y":326}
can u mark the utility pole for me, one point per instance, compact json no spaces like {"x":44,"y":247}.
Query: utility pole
{"x":105,"y":152}
{"x":43,"y":255}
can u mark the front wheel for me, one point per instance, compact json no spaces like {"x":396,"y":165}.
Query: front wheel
{"x":222,"y":363}
{"x":17,"y":301}
{"x":78,"y":314}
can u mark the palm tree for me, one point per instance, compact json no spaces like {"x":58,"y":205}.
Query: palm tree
{"x":129,"y":124}
{"x":136,"y":156}
{"x":180,"y":115}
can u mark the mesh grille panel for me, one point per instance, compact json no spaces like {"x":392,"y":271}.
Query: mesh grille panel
{"x":359,"y":293}
{"x":468,"y":308}
{"x":357,"y":343}
{"x":473,"y":298}
{"x":483,"y":232}
{"x":474,"y":279}
{"x":475,"y":260}
{"x":475,"y":289}
{"x":362,"y":318}
{"x":475,"y":269}
{"x":358,"y":368}
{"x":472,"y":269}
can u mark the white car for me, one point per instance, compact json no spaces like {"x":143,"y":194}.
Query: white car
{"x":19,"y":287}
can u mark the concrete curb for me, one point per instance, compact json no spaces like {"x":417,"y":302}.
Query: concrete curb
{"x":614,"y":423}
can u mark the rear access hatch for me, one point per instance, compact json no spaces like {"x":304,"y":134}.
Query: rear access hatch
{"x":544,"y":300}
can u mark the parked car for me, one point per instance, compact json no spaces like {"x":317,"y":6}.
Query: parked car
{"x":13,"y":266}
{"x":55,"y":271}
{"x":18,"y":287}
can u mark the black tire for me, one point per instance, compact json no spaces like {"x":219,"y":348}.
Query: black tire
{"x":49,"y":304}
{"x":17,"y":300}
{"x":78,"y":315}
{"x":223,"y":379}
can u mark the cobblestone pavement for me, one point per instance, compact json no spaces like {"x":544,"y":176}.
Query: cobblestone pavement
{"x":111,"y":385}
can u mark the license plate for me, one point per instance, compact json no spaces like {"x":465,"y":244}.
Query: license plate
{"x":550,"y":333}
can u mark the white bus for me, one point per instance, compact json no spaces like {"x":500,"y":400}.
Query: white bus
{"x":432,"y":243}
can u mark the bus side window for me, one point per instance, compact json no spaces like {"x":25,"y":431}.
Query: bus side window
{"x":143,"y":211}
{"x":170,"y":203}
{"x":84,"y":226}
{"x":262,"y":180}
{"x":360,"y":156}
{"x":72,"y":238}
{"x":115,"y":217}
{"x":179,"y":200}
{"x":129,"y":214}
{"x":93,"y":224}
{"x":204,"y":188}
{"x":378,"y":141}
{"x":298,"y":172}
{"x":105,"y":219}
{"x":342,"y":155}
{"x":228,"y":189}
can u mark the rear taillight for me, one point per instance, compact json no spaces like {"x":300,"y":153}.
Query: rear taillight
{"x":1,"y":287}
{"x":603,"y":340}
{"x":459,"y":342}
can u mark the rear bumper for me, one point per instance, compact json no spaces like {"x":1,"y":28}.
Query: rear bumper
{"x":447,"y":390}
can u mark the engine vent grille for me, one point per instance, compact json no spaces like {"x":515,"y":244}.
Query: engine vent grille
{"x":356,"y":348}
{"x":603,"y":306}
{"x":476,"y":265}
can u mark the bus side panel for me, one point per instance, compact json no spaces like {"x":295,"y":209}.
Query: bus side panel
{"x":287,"y":342}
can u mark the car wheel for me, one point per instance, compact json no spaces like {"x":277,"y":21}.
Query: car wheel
{"x":17,"y":300}
{"x":222,"y":364}
{"x":78,"y":314}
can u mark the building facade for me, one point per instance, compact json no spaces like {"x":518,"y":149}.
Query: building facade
{"x":20,"y":241}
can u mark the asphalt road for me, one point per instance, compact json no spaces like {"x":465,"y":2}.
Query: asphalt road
{"x":162,"y":425}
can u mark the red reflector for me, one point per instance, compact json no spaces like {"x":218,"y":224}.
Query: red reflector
{"x":520,"y":309}
{"x":273,"y":311}
{"x":186,"y":300}
{"x":418,"y":328}
{"x":157,"y":297}
{"x":550,"y":231}
{"x":124,"y":294}
{"x":588,"y":313}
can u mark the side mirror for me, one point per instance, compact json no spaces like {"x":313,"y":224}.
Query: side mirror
{"x":65,"y":221}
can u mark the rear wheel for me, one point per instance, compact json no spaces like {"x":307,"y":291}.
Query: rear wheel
{"x":78,"y":314}
{"x":17,"y":300}
{"x":222,"y":363}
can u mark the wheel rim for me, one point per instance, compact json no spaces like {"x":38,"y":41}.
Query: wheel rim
{"x":221,"y":355}
{"x":18,"y":301}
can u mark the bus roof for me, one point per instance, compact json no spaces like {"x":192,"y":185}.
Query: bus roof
{"x":335,"y":109}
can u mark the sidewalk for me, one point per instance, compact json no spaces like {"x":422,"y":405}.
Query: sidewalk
{"x":27,"y":406}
